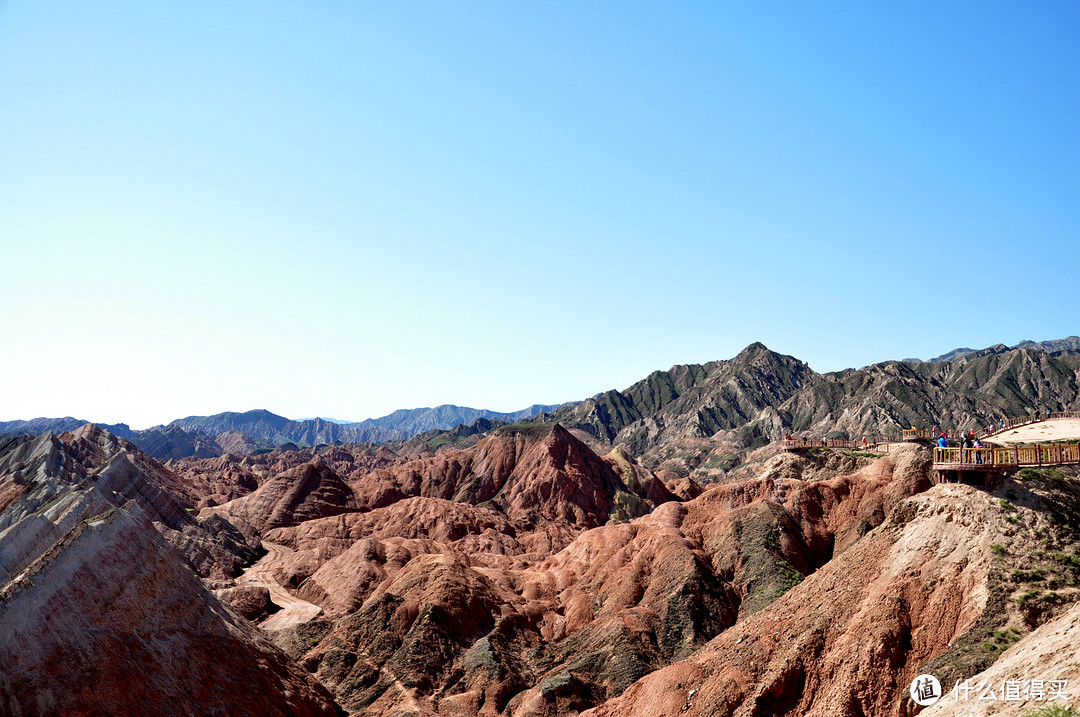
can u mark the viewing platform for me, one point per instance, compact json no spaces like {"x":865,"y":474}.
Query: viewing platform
{"x":986,"y":459}
{"x":1013,"y":423}
{"x":1035,"y":446}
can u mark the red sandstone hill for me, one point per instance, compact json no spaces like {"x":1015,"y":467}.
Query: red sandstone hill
{"x":309,"y":491}
{"x":849,"y":639}
{"x":530,"y":474}
{"x":426,"y":613}
{"x":524,"y":575}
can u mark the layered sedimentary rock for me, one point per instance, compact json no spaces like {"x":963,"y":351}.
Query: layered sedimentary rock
{"x":109,"y":621}
{"x":931,"y":590}
{"x":306,"y":492}
{"x":439,"y":606}
{"x":525,"y":575}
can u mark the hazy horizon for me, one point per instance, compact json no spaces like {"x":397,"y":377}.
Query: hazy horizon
{"x":353,"y":210}
{"x":420,"y":408}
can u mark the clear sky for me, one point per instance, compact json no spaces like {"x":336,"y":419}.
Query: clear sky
{"x":341,"y":209}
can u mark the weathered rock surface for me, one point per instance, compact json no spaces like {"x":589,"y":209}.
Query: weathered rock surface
{"x":309,"y":491}
{"x":421,"y":614}
{"x":44,"y":476}
{"x":110,"y":621}
{"x":927,"y":591}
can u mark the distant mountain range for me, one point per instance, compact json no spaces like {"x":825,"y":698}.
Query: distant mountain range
{"x":403,"y":424}
{"x":232,"y":432}
{"x":756,"y":397}
{"x":1057,"y":347}
{"x":34,"y":426}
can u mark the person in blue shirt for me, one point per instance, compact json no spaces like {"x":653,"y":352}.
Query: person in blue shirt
{"x":942,"y":442}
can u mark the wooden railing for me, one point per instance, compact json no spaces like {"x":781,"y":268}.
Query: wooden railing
{"x":803,"y":443}
{"x":870,"y":440}
{"x":1011,"y":423}
{"x":880,"y":442}
{"x":927,"y":434}
{"x":1042,"y":455}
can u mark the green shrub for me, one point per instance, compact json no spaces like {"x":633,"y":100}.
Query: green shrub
{"x":1049,"y":711}
{"x":1028,"y":596}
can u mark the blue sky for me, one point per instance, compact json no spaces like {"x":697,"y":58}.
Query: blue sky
{"x":347,"y":208}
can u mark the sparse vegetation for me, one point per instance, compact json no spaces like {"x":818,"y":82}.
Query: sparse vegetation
{"x":1070,"y":561}
{"x":1052,"y":473}
{"x":1049,"y":711}
{"x":1029,"y":576}
{"x":789,"y":576}
{"x":101,"y":516}
{"x":1000,"y":640}
{"x":43,"y":509}
{"x":1028,"y":596}
{"x":718,"y":462}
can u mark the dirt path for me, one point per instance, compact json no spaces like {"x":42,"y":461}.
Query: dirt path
{"x":1059,"y":429}
{"x":294,"y":610}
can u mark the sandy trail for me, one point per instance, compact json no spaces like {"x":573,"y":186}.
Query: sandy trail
{"x":294,"y":610}
{"x":1059,"y":429}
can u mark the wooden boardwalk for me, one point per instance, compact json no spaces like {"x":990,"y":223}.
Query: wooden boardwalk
{"x":992,"y":460}
{"x":988,"y":460}
{"x":801,"y":444}
{"x":1012,"y":423}
{"x":1052,"y":454}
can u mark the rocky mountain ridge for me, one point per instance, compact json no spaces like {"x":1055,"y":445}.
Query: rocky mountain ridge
{"x":1056,"y":347}
{"x":726,"y":407}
